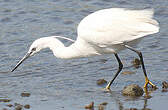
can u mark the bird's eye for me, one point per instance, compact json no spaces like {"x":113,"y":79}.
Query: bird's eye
{"x":33,"y":49}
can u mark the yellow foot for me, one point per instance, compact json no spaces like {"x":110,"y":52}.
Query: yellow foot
{"x":107,"y":88}
{"x":149,"y":82}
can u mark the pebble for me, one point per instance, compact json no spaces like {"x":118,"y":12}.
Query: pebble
{"x":100,"y":107}
{"x":9,"y":105}
{"x":136,"y":63}
{"x":104,"y":103}
{"x":18,"y":107}
{"x":90,"y":106}
{"x":132,"y":90}
{"x":25,"y":94}
{"x":101,"y":82}
{"x":5,"y":100}
{"x":164,"y":84}
{"x":27,"y":106}
{"x":127,"y":72}
{"x":132,"y":109}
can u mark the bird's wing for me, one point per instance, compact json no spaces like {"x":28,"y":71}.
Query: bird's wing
{"x":114,"y":26}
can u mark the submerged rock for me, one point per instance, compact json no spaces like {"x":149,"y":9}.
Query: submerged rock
{"x":104,"y":103}
{"x":90,"y":106}
{"x":27,"y":106}
{"x":101,"y":82}
{"x":164,"y":86}
{"x":136,"y":63}
{"x":18,"y":107}
{"x":127,"y":72}
{"x":25,"y":94}
{"x":100,"y":107}
{"x":9,"y":105}
{"x":5,"y":100}
{"x":132,"y":90}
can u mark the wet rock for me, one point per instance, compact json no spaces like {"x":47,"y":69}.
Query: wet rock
{"x":18,"y":107}
{"x":146,"y":109}
{"x":164,"y":90}
{"x":5,"y":100}
{"x":25,"y":94}
{"x":136,"y":63}
{"x":100,"y":107}
{"x":104,"y":103}
{"x":164,"y":84}
{"x":132,"y":90}
{"x":27,"y":106}
{"x":90,"y":106}
{"x":101,"y":82}
{"x":9,"y":105}
{"x":127,"y":72}
{"x":132,"y":109}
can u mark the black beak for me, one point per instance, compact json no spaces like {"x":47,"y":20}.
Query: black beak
{"x":21,"y":61}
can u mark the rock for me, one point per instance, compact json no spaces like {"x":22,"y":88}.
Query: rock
{"x":24,"y":94}
{"x":9,"y":105}
{"x":100,"y":107}
{"x":90,"y":106}
{"x":18,"y":107}
{"x":164,"y":90}
{"x":104,"y":103}
{"x":132,"y":90}
{"x":132,"y":109}
{"x":136,"y":63}
{"x":5,"y":100}
{"x":27,"y":106}
{"x":164,"y":84}
{"x":101,"y":82}
{"x":127,"y":72}
{"x":146,"y":109}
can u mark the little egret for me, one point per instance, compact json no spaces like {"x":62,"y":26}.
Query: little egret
{"x":105,"y":31}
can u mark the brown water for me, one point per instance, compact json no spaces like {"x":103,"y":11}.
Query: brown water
{"x":56,"y":84}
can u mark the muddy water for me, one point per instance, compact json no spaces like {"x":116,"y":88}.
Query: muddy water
{"x":56,"y":84}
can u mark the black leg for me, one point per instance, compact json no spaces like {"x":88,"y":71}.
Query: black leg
{"x":143,"y":66}
{"x":119,"y":69}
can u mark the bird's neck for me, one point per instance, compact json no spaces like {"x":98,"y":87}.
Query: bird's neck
{"x":76,"y":50}
{"x":66,"y":52}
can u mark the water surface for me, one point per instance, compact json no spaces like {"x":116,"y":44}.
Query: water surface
{"x":57,"y":84}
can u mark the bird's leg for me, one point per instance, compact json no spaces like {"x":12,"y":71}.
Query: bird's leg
{"x":147,"y":81}
{"x":119,"y":69}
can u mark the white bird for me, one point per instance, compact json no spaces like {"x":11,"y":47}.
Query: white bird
{"x":105,"y":31}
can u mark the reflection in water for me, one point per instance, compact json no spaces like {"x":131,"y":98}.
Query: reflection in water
{"x":121,"y":105}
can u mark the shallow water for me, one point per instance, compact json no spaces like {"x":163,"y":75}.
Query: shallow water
{"x":56,"y":84}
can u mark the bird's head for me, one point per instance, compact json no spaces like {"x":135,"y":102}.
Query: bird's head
{"x":36,"y":46}
{"x":45,"y":42}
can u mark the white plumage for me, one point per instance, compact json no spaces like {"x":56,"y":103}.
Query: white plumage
{"x":102,"y":32}
{"x":114,"y":26}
